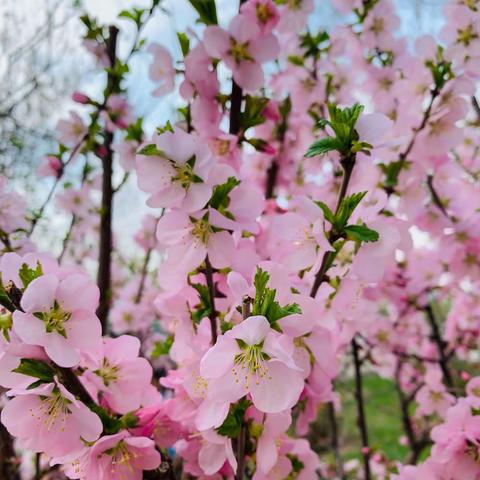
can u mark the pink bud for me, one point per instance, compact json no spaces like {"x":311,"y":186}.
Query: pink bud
{"x":101,"y":151}
{"x":269,"y":149}
{"x":271,"y":111}
{"x":80,"y":97}
{"x":465,"y":376}
{"x":365,"y":450}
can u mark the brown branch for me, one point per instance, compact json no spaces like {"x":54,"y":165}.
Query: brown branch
{"x":242,"y":435}
{"x":106,"y":236}
{"x":361,"y":417}
{"x":8,"y":459}
{"x":416,"y":444}
{"x":211,"y":291}
{"x":437,"y":338}
{"x":434,"y":93}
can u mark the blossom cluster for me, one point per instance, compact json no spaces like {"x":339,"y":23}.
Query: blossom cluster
{"x":295,"y":240}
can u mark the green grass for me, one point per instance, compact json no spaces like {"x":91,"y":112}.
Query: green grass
{"x":383,"y":420}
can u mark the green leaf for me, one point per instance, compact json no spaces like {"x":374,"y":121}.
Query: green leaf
{"x":347,"y":207}
{"x":184,"y":43}
{"x":206,"y":10}
{"x":233,"y":423}
{"x":204,"y":308}
{"x":295,"y":60}
{"x":275,"y":312}
{"x":361,"y":233}
{"x":264,"y":302}
{"x":252,"y":113}
{"x":166,"y":128}
{"x":220,"y":193}
{"x":149,"y":150}
{"x":135,"y":130}
{"x":322,"y":146}
{"x":260,"y":282}
{"x":36,"y":369}
{"x":27,"y":274}
{"x":162,"y":348}
{"x":111,"y":424}
{"x":327,"y":213}
{"x":391,"y":172}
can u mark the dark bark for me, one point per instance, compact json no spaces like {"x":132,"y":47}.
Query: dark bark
{"x":211,"y":291}
{"x":441,"y":346}
{"x":106,"y":243}
{"x":361,"y":417}
{"x":8,"y":460}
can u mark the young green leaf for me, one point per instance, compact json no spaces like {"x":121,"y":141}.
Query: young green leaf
{"x":361,"y":233}
{"x":27,"y":274}
{"x":36,"y":369}
{"x":150,"y":150}
{"x":221,"y":192}
{"x":184,"y":43}
{"x":206,"y":10}
{"x":323,"y":146}
{"x":233,"y":423}
{"x":162,"y":348}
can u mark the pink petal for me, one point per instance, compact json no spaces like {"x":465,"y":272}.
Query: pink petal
{"x":196,"y":197}
{"x":372,"y":127}
{"x":219,"y":358}
{"x":211,"y":457}
{"x":243,"y":29}
{"x":265,"y":48}
{"x":278,"y":390}
{"x":252,"y":330}
{"x":40,"y":294}
{"x":211,"y":414}
{"x":249,"y":75}
{"x":220,"y":249}
{"x":216,"y":41}
{"x":29,"y":328}
{"x":77,"y":291}
{"x":60,"y":351}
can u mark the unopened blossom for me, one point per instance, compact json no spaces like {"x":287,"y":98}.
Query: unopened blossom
{"x":118,"y":113}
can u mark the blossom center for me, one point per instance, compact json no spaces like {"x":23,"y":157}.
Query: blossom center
{"x":108,"y":372}
{"x":55,"y":319}
{"x":251,"y":363}
{"x":239,"y":51}
{"x":264,"y":14}
{"x":121,"y":457}
{"x":53,"y":411}
{"x":184,"y":174}
{"x":201,"y":230}
{"x":466,"y":36}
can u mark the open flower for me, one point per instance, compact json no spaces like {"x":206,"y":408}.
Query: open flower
{"x":161,"y":69}
{"x":251,"y":358}
{"x":119,"y":373}
{"x":177,"y":177}
{"x":243,"y":49}
{"x":59,"y":315}
{"x":50,"y":419}
{"x":121,"y":456}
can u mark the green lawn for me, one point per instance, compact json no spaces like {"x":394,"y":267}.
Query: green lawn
{"x":384,"y":422}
